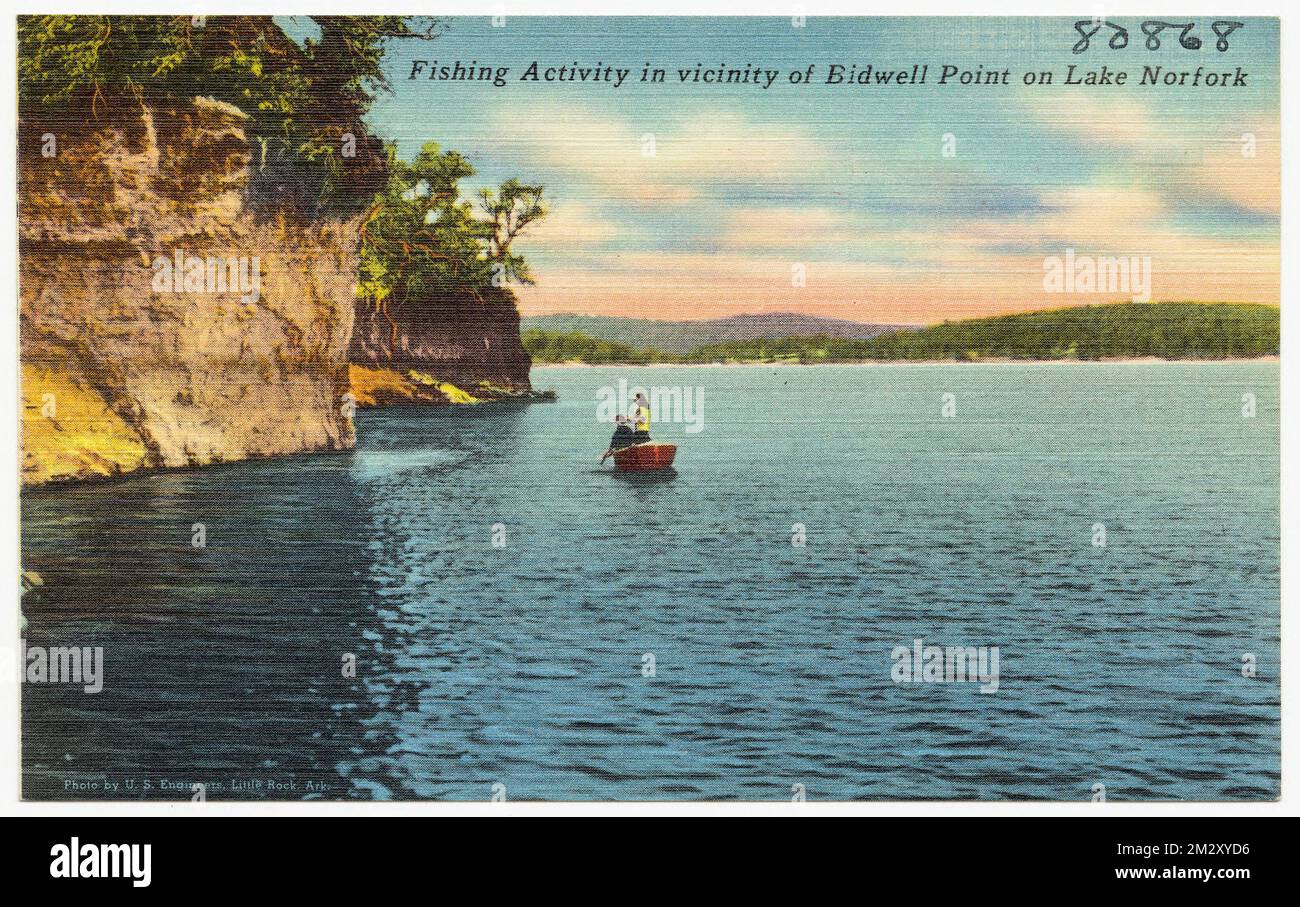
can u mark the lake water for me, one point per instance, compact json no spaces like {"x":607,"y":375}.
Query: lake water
{"x":524,"y":663}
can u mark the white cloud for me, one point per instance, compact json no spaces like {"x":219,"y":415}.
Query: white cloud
{"x":810,"y":229}
{"x":570,"y":226}
{"x":1252,"y":179}
{"x":1171,"y":151}
{"x":657,"y":163}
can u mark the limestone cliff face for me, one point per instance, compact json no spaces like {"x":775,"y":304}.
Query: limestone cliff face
{"x":122,"y":371}
{"x":464,"y":339}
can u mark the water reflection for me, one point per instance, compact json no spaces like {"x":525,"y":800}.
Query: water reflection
{"x":224,"y":662}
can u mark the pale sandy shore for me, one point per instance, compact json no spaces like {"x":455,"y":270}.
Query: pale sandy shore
{"x":1149,"y":360}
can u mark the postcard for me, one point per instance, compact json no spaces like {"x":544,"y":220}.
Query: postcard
{"x":649,"y":409}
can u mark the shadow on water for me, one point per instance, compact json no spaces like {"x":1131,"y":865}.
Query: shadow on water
{"x":223,"y":662}
{"x":641,"y":477}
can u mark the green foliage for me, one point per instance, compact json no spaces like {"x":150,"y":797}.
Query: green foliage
{"x":303,"y":101}
{"x":1170,"y":330}
{"x":63,"y":58}
{"x":510,"y":210}
{"x":421,"y":240}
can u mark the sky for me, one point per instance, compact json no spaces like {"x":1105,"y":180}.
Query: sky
{"x":850,"y":185}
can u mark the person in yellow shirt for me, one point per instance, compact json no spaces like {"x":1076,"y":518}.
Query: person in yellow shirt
{"x":641,"y":419}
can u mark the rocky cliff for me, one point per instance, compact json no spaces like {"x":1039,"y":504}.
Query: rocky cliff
{"x":468,"y":340}
{"x":137,"y":351}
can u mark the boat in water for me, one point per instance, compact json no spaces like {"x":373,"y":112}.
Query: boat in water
{"x":644,"y":457}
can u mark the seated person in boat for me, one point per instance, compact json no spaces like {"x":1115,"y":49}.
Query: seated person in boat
{"x":623,"y":436}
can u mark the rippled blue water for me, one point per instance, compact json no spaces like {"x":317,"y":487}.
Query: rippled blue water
{"x":522,"y":665}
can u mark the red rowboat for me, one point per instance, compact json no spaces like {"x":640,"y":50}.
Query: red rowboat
{"x":640,"y":457}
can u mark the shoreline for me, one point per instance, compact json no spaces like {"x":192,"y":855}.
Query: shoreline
{"x":1134,"y":360}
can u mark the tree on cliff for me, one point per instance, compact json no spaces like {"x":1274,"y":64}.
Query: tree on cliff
{"x":510,"y":210}
{"x":421,"y":240}
{"x":305,"y":100}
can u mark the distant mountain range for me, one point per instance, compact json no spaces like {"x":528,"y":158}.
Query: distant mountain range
{"x":681,"y":337}
{"x":1160,"y":330}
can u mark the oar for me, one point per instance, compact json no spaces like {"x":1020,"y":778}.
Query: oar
{"x":612,"y":451}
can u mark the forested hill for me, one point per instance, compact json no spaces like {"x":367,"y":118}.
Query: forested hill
{"x":680,"y":337}
{"x":1168,"y":330}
